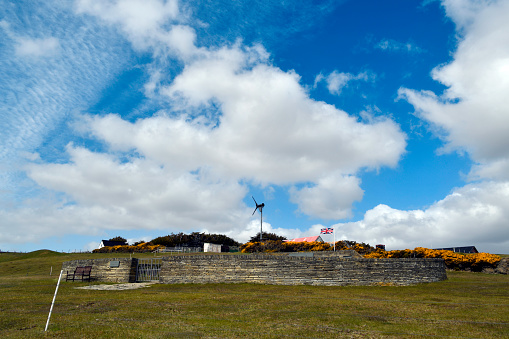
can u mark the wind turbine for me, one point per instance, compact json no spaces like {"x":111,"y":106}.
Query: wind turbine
{"x":259,"y":207}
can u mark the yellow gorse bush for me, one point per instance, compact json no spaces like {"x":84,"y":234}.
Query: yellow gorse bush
{"x":140,"y":248}
{"x":453,"y":260}
{"x":270,"y":246}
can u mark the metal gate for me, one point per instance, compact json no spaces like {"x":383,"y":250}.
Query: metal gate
{"x":148,"y":269}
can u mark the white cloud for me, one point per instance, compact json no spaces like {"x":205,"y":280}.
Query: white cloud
{"x":496,"y":170}
{"x":472,"y":113}
{"x":269,"y":131}
{"x":396,"y":46}
{"x":45,"y":81}
{"x":476,"y":214}
{"x":336,"y":81}
{"x":131,"y":241}
{"x":330,"y":198}
{"x":253,"y":227}
{"x":143,"y":21}
{"x":31,"y":47}
{"x":189,"y":169}
{"x":37,"y":47}
{"x":273,"y":129}
{"x":472,"y":116}
{"x":91,"y":246}
{"x":142,"y":193}
{"x":464,"y":13}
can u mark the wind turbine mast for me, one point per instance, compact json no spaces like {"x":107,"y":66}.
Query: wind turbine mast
{"x":259,"y":207}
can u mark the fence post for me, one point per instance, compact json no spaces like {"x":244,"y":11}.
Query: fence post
{"x":53,"y":302}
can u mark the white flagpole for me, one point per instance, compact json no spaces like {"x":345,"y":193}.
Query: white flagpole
{"x":334,"y":240}
{"x":53,"y":302}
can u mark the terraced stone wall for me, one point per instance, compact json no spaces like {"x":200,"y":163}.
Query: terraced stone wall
{"x":334,"y":269}
{"x":300,"y":270}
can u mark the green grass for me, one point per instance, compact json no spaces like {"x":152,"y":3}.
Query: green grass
{"x":467,"y":305}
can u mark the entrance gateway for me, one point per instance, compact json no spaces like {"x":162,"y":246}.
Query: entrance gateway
{"x":148,"y":269}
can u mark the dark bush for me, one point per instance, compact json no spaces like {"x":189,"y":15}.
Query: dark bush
{"x":266,"y":236}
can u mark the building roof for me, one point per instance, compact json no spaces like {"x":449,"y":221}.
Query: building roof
{"x":460,"y":249}
{"x":112,"y":243}
{"x":307,"y":239}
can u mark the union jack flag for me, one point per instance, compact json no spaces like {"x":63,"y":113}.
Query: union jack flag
{"x":327,"y":230}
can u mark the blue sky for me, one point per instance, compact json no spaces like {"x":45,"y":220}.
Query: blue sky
{"x":385,"y":120}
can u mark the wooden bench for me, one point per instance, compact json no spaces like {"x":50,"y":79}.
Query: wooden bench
{"x":81,"y":273}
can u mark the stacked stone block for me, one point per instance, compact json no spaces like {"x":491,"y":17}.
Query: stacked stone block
{"x":304,"y":270}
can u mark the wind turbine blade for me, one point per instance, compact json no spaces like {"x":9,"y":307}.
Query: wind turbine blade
{"x":254,"y":211}
{"x":254,"y":200}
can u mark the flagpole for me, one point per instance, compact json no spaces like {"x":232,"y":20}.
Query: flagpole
{"x":334,"y":240}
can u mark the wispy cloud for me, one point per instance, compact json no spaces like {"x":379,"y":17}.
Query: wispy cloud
{"x":63,"y":65}
{"x":390,"y":45}
{"x":37,"y":47}
{"x":337,"y":81}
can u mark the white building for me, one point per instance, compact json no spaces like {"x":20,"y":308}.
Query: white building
{"x":208,"y":247}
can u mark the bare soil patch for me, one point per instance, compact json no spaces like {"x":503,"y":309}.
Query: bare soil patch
{"x":117,"y":287}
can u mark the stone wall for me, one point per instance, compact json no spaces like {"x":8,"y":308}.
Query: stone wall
{"x":332,"y":269}
{"x":107,"y":270}
{"x":299,"y":270}
{"x":503,"y":266}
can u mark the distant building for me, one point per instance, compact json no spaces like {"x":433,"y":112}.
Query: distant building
{"x":463,"y":249}
{"x":208,"y":247}
{"x":307,"y":239}
{"x":105,"y":243}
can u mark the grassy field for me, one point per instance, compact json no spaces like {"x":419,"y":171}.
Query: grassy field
{"x":467,"y":305}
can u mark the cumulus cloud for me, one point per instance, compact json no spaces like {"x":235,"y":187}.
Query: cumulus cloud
{"x":271,"y":125}
{"x":143,"y":21}
{"x":237,"y":120}
{"x":472,"y":114}
{"x":476,"y":214}
{"x":253,"y":227}
{"x":269,"y":131}
{"x":464,"y":13}
{"x":144,"y":193}
{"x":185,"y":171}
{"x":330,"y":198}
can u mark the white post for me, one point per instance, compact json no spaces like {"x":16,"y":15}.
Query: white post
{"x":53,"y":302}
{"x":333,"y":231}
{"x":261,"y":223}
